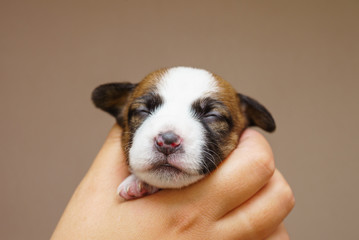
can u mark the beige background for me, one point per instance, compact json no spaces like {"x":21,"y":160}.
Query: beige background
{"x":300,"y":58}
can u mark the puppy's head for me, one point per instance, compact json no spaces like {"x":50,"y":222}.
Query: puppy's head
{"x":179,"y":123}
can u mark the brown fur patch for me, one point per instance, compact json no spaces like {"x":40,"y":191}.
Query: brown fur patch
{"x":229,"y":97}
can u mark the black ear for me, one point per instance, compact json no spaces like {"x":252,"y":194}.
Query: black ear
{"x":112,"y":97}
{"x":256,"y":113}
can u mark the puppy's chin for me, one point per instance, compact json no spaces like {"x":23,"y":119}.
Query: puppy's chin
{"x":167,"y":177}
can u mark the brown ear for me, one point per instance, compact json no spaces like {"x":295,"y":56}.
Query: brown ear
{"x":256,"y":113}
{"x":112,"y":97}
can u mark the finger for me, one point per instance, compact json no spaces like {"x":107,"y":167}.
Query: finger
{"x":260,"y":215}
{"x":279,"y":234}
{"x":242,"y":174}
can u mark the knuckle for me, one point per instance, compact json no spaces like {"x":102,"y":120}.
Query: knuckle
{"x":255,"y":229}
{"x":290,"y":199}
{"x":287,"y":196}
{"x":265,"y":162}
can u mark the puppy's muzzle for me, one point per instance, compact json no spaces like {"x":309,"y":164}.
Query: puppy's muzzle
{"x":168,"y":142}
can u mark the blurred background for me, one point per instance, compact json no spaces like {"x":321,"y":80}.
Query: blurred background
{"x":299,"y":58}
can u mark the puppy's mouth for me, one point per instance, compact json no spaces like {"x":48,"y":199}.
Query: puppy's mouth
{"x":166,"y":167}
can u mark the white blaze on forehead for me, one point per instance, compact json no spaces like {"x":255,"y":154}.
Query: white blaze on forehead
{"x":185,"y":85}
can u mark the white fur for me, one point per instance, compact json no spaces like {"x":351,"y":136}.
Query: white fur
{"x":179,"y":88}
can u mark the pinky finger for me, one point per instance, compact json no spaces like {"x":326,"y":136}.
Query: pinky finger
{"x":279,"y":234}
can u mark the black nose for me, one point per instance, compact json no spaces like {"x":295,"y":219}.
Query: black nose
{"x":168,"y":142}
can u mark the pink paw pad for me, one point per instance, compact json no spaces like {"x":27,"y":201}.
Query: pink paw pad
{"x":132,"y":188}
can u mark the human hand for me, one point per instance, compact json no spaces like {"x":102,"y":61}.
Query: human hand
{"x":245,"y":198}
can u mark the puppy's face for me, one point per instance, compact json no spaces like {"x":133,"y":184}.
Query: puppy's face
{"x":179,"y":123}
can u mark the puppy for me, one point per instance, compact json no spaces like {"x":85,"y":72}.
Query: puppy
{"x":178,"y":125}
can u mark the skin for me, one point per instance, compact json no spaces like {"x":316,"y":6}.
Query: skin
{"x":245,"y":198}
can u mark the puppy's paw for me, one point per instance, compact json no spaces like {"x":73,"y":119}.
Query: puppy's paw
{"x":132,"y":188}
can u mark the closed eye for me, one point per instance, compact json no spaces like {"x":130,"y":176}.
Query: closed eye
{"x":142,"y":111}
{"x":144,"y":106}
{"x":212,"y":116}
